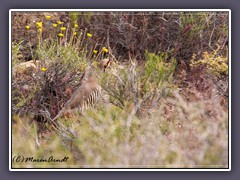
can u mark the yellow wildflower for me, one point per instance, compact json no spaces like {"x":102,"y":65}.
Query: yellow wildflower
{"x":60,"y":22}
{"x":75,"y":33}
{"x":76,"y":25}
{"x":27,"y":27}
{"x":40,"y":29}
{"x":39,"y":24}
{"x":60,"y":34}
{"x":63,"y":28}
{"x":95,"y":51}
{"x":89,"y":35}
{"x":44,"y":69}
{"x":105,"y":50}
{"x":55,"y":25}
{"x":48,"y":17}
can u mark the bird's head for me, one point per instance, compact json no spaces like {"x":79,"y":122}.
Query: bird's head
{"x":103,"y":64}
{"x":97,"y":69}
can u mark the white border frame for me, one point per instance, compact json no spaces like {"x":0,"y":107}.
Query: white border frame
{"x":115,"y":10}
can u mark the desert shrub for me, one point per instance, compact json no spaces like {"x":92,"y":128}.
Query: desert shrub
{"x":215,"y":68}
{"x":16,"y":54}
{"x":147,"y":121}
{"x":63,"y":59}
{"x":177,"y":134}
{"x":202,"y":31}
{"x":215,"y":64}
{"x":131,"y":33}
{"x":182,"y":33}
{"x":46,"y":89}
{"x":140,"y":87}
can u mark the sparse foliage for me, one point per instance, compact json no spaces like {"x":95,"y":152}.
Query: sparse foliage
{"x":161,"y":109}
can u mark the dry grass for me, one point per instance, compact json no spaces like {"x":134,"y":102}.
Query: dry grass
{"x":177,"y":134}
{"x":160,"y":112}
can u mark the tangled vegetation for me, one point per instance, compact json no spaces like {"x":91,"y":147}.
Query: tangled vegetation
{"x":165,"y":102}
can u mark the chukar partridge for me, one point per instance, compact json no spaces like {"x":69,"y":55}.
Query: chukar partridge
{"x":88,"y":93}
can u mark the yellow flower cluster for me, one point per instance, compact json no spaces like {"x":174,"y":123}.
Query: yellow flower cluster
{"x":39,"y":24}
{"x":55,"y":25}
{"x":75,"y":25}
{"x":105,"y":50}
{"x":215,"y":64}
{"x":89,"y":35}
{"x":60,"y":22}
{"x":27,"y":27}
{"x":60,"y":34}
{"x":44,"y":69}
{"x":63,"y":28}
{"x":48,"y":17}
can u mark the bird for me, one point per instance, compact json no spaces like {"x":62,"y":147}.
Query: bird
{"x":88,"y":93}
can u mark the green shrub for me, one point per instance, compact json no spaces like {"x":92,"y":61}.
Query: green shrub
{"x":147,"y":122}
{"x":134,"y":85}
